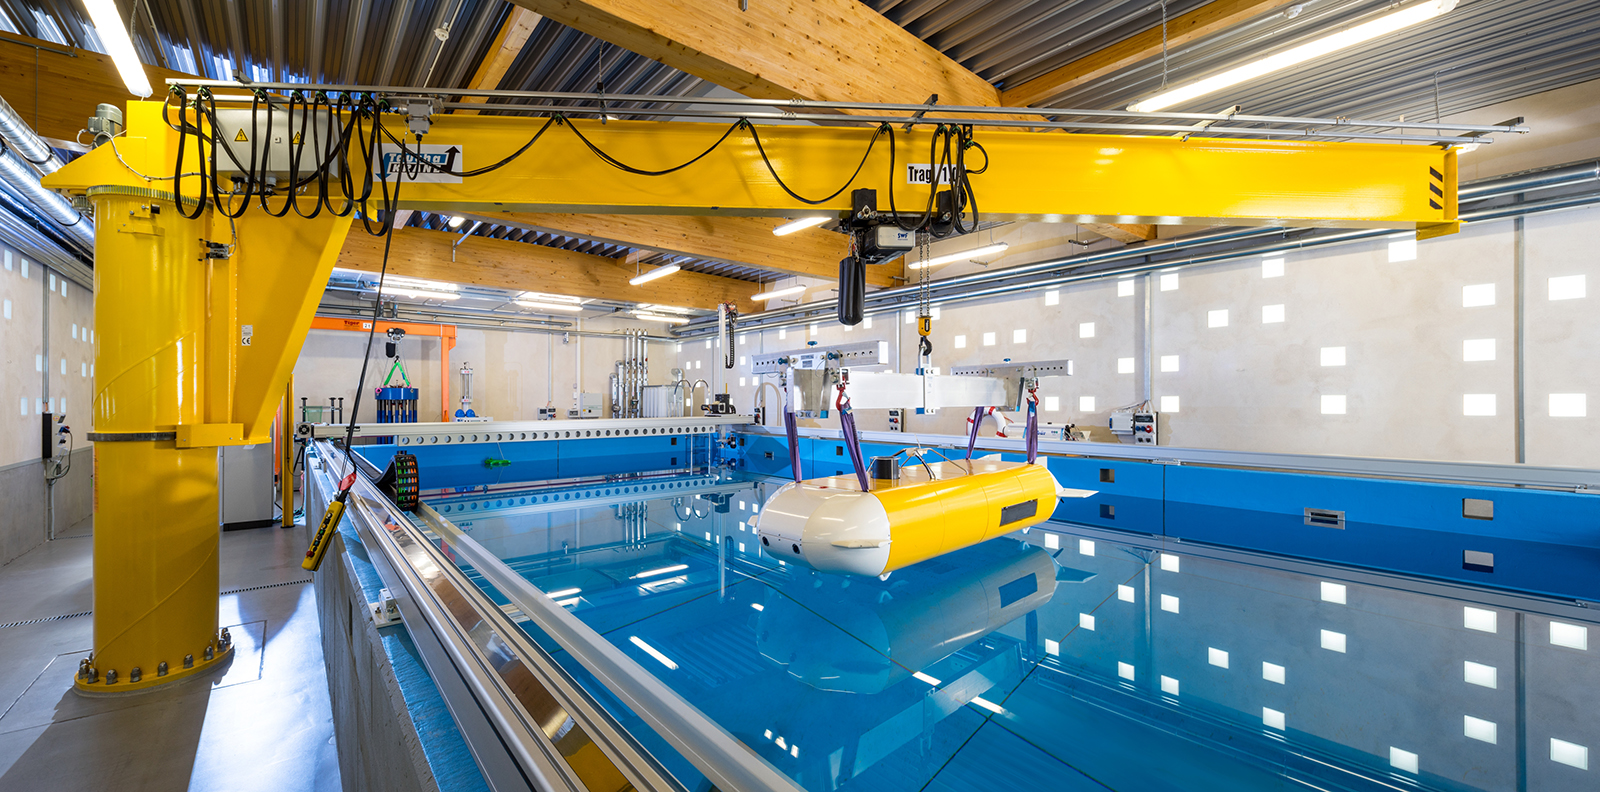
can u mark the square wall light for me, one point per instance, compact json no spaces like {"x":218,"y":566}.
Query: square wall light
{"x":988,"y":339}
{"x":1272,"y":268}
{"x":1477,"y":295}
{"x":1474,"y":350}
{"x":1569,"y":405}
{"x":1477,"y":404}
{"x":1125,"y":287}
{"x":1271,"y":314}
{"x":1169,"y":404}
{"x":960,"y":342}
{"x":1124,"y":365}
{"x":1333,"y":405}
{"x":1333,"y":356}
{"x":1169,"y":281}
{"x":1403,"y":248}
{"x":1052,"y":297}
{"x":1169,"y":362}
{"x":1086,"y":329}
{"x":1569,"y":287}
{"x":1086,"y":404}
{"x":1217,"y":318}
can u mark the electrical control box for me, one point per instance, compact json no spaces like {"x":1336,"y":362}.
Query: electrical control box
{"x":587,"y":405}
{"x":897,"y":420}
{"x":244,"y":133}
{"x":1143,"y":427}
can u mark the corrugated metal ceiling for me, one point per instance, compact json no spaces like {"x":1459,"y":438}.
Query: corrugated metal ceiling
{"x":1483,"y":52}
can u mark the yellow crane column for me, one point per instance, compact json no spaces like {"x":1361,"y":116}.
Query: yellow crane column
{"x":157,"y":524}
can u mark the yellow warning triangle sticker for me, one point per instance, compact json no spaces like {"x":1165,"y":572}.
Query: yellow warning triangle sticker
{"x":240,"y":138}
{"x":296,"y":139}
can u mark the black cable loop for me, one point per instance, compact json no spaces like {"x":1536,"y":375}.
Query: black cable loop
{"x":756,"y":136}
{"x":622,"y":166}
{"x":946,"y":153}
{"x":177,"y":165}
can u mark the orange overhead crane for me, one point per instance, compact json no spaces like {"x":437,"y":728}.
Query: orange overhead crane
{"x":445,"y":333}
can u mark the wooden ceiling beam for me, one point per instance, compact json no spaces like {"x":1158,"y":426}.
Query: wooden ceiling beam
{"x":826,"y":50}
{"x":742,"y":241}
{"x":502,"y":264}
{"x":60,"y":94}
{"x":513,"y":35}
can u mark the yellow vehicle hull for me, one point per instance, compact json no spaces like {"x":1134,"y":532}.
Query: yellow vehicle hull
{"x":829,"y":524}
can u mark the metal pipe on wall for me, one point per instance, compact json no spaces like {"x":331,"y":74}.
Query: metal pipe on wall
{"x":1071,"y":268}
{"x":21,"y":177}
{"x":22,"y":137}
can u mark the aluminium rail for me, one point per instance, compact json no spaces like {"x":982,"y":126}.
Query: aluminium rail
{"x":917,"y":114}
{"x":454,"y":433}
{"x":512,"y":726}
{"x":1073,"y":269}
{"x":726,"y":762}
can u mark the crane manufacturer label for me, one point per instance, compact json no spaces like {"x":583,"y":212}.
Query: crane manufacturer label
{"x":922,"y":173}
{"x":426,"y":163}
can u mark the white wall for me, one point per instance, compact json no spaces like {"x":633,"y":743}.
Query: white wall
{"x":1257,"y":386}
{"x":514,"y":373}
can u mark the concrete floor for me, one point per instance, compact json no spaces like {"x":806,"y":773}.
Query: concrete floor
{"x":263,"y":723}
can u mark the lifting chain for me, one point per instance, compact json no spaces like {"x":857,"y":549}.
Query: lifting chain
{"x":924,"y":295}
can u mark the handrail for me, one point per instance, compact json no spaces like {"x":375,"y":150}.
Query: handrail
{"x":727,"y":763}
{"x":493,"y":657}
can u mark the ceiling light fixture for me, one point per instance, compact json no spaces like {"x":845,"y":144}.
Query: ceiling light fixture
{"x":114,"y":35}
{"x":551,"y":298}
{"x":456,"y":221}
{"x":650,"y":317}
{"x":658,"y":272}
{"x":798,"y":225}
{"x":1348,"y":37}
{"x":773,"y":295}
{"x":400,"y":281}
{"x":544,"y":306}
{"x":986,"y":250}
{"x":419,"y":294}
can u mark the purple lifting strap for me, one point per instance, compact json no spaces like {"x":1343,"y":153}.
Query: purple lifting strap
{"x":972,"y":437}
{"x":794,"y":440}
{"x":847,"y":422}
{"x":1032,"y":443}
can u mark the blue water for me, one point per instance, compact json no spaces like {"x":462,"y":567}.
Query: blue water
{"x":1067,"y":658}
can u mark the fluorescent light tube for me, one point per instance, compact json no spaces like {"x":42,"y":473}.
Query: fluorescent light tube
{"x":402,"y":282}
{"x":987,"y":250}
{"x":456,"y":221}
{"x":114,"y":35}
{"x":797,"y":225}
{"x":1348,"y":37}
{"x":544,"y":306}
{"x":563,"y":593}
{"x":662,"y":571}
{"x":650,"y":317}
{"x":420,"y":294}
{"x":773,"y":295}
{"x":653,"y":652}
{"x":550,"y":298}
{"x":658,"y":272}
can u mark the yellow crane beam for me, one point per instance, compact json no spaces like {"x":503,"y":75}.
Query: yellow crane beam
{"x":1025,"y":176}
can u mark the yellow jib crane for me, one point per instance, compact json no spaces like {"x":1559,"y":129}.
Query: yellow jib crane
{"x":207,"y":277}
